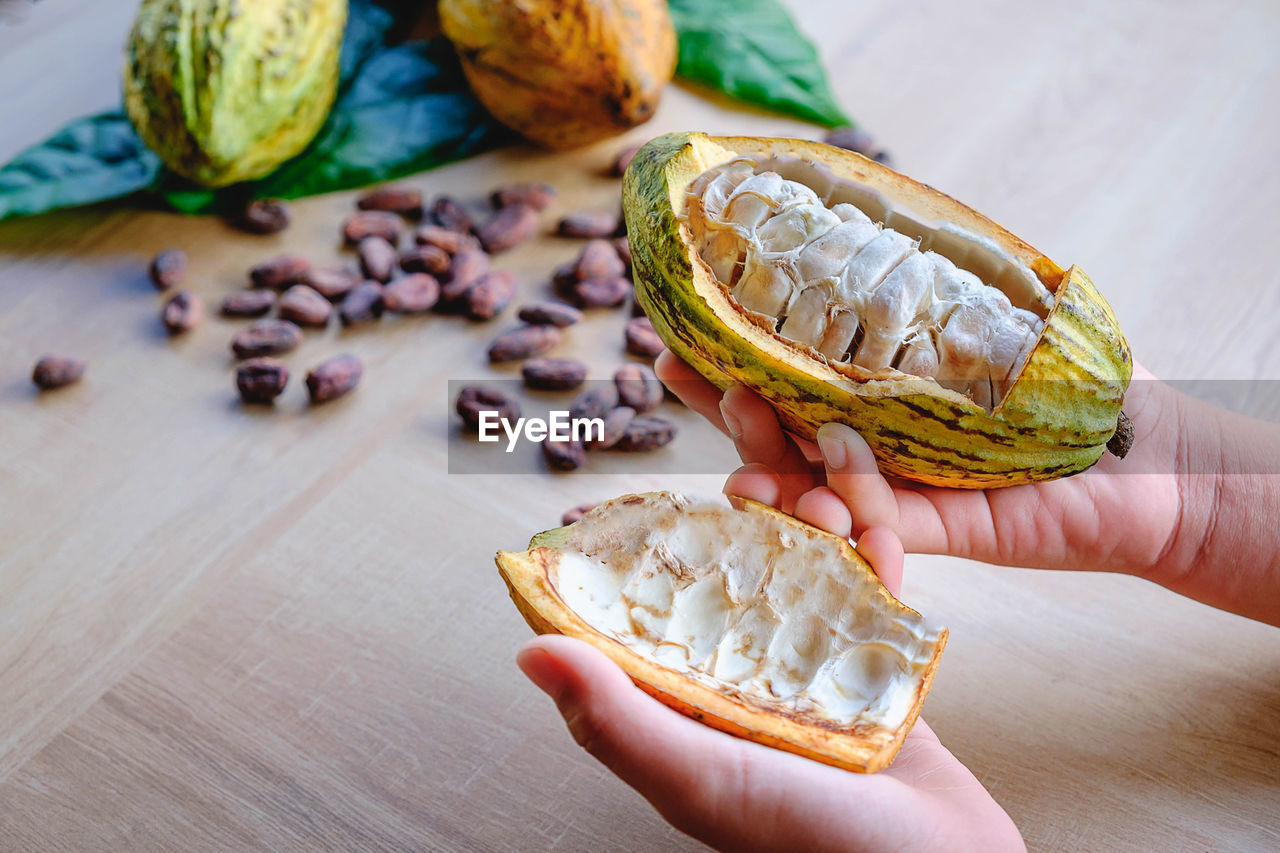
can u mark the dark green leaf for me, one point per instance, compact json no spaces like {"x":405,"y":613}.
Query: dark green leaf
{"x":751,"y":50}
{"x":92,"y":159}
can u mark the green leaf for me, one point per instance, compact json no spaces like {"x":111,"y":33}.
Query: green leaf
{"x":751,"y":50}
{"x":92,"y":159}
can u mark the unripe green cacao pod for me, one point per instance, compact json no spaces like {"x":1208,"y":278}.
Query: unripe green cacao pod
{"x":227,"y":90}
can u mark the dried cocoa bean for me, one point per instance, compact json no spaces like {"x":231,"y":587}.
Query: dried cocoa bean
{"x":372,"y":223}
{"x":304,"y":306}
{"x":492,"y":293}
{"x":564,"y":455}
{"x":642,"y":340}
{"x":56,"y":371}
{"x":476,"y":399}
{"x":394,"y":199}
{"x":576,"y":513}
{"x":616,"y":422}
{"x":168,"y":268}
{"x":469,"y":266}
{"x":280,"y":271}
{"x":623,"y":160}
{"x":600,"y":292}
{"x":266,"y":337}
{"x":427,"y":258}
{"x":263,"y":216}
{"x":452,"y":242}
{"x":447,"y":213}
{"x":588,"y":223}
{"x":857,"y":139}
{"x":645,"y":434}
{"x":638,"y":387}
{"x":261,"y":380}
{"x":534,"y":195}
{"x":362,"y":305}
{"x":377,"y":258}
{"x":412,"y":294}
{"x":523,"y":342}
{"x":248,"y":303}
{"x":594,"y":402}
{"x":182,"y":312}
{"x":508,"y":228}
{"x":599,"y":259}
{"x":553,"y":374}
{"x":330,"y":379}
{"x":622,"y":246}
{"x":332,"y":282}
{"x":563,"y":280}
{"x":553,"y":313}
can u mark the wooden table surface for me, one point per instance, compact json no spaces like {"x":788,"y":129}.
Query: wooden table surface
{"x":224,"y":629}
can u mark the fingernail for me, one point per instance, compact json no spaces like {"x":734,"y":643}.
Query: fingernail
{"x":731,"y":422}
{"x":834,"y":451}
{"x":542,"y":670}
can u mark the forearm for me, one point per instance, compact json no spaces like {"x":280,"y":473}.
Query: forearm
{"x":1226,"y":548}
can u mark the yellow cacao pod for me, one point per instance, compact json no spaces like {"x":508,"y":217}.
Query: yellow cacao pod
{"x":843,"y":291}
{"x":227,"y":90}
{"x":564,"y":73}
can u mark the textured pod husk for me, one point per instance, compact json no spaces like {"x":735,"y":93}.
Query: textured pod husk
{"x":862,"y":745}
{"x":564,"y":73}
{"x":226,"y":92}
{"x":1056,"y":419}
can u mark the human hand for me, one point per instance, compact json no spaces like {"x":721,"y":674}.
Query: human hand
{"x":737,"y":795}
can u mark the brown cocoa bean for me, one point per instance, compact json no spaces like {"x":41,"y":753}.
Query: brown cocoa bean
{"x":248,"y":303}
{"x":623,"y":160}
{"x":168,"y":268}
{"x":563,"y":279}
{"x":622,"y":246}
{"x":412,"y":294}
{"x":447,"y":213}
{"x":600,"y":292}
{"x":304,"y":306}
{"x":638,"y":387}
{"x":56,"y":371}
{"x":362,"y":305}
{"x":588,"y":223}
{"x":469,"y":266}
{"x":553,"y":374}
{"x":372,"y":223}
{"x":332,"y":282}
{"x":564,"y":455}
{"x":426,"y":258}
{"x":523,"y":342}
{"x":334,"y":377}
{"x":645,"y":434}
{"x":534,"y":195}
{"x":261,"y":380}
{"x":857,"y":139}
{"x":452,"y":242}
{"x":490,"y":295}
{"x":280,"y":271}
{"x":616,"y":422}
{"x":263,"y":216}
{"x":508,"y":228}
{"x":266,"y":337}
{"x":553,"y":313}
{"x":182,"y":312}
{"x":642,"y":340}
{"x":395,"y":199}
{"x":377,"y":258}
{"x":594,"y":402}
{"x":576,"y":513}
{"x":599,"y":259}
{"x":473,"y":400}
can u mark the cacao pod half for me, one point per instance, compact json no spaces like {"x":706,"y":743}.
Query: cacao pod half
{"x":740,"y":617}
{"x":564,"y":73}
{"x":227,"y":90}
{"x":842,"y":291}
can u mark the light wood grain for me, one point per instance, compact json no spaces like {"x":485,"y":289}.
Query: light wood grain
{"x":229,"y":630}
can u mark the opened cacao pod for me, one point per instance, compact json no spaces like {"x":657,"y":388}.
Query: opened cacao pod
{"x":840,"y":290}
{"x":740,"y":617}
